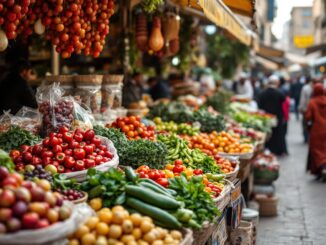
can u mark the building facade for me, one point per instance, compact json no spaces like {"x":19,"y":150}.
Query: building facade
{"x":319,"y":18}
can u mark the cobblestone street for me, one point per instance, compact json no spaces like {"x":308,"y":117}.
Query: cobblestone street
{"x":301,"y":216}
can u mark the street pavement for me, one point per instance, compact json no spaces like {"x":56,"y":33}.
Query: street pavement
{"x":301,"y":216}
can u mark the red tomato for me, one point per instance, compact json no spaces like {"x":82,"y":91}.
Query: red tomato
{"x":61,"y":169}
{"x":37,"y":149}
{"x":89,"y":134}
{"x":79,"y":131}
{"x":46,"y":160}
{"x":121,"y":124}
{"x":163,"y":182}
{"x":36,"y":161}
{"x":198,"y":171}
{"x":178,"y":162}
{"x":46,"y":141}
{"x":78,"y":137}
{"x":98,"y":160}
{"x":63,"y":129}
{"x":47,"y":154}
{"x":27,"y":157}
{"x":96,"y":141}
{"x":88,"y":149}
{"x":24,"y":148}
{"x":69,"y":162}
{"x":154,"y":174}
{"x":162,"y":174}
{"x":64,"y":146}
{"x":57,"y":148}
{"x":67,"y":137}
{"x":177,"y":169}
{"x":142,"y":174}
{"x":89,"y":163}
{"x":125,"y":129}
{"x":80,"y":165}
{"x":82,"y":144}
{"x":54,"y":141}
{"x":143,"y":168}
{"x":79,"y":153}
{"x":68,"y":152}
{"x":14,"y":153}
{"x":108,"y":154}
{"x":60,"y":157}
{"x":74,"y":144}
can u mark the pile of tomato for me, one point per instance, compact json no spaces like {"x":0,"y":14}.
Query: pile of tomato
{"x":65,"y":151}
{"x":134,"y":128}
{"x":158,"y":176}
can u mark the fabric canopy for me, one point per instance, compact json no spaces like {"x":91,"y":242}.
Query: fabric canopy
{"x":243,"y":7}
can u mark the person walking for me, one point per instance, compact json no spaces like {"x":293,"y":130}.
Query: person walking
{"x":14,"y":89}
{"x":295,"y":92}
{"x":243,"y":88}
{"x":316,"y":116}
{"x":271,"y":100}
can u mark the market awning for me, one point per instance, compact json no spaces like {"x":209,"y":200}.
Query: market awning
{"x":268,"y":64}
{"x":317,"y":48}
{"x":268,"y":51}
{"x":218,"y":13}
{"x":243,"y":7}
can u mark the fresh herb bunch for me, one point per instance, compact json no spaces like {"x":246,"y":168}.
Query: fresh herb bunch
{"x":109,"y":185}
{"x":150,"y":6}
{"x":134,"y":152}
{"x":15,"y":137}
{"x":6,"y":161}
{"x":208,"y":121}
{"x":192,"y":193}
{"x":220,"y":101}
{"x":140,"y":152}
{"x":61,"y":182}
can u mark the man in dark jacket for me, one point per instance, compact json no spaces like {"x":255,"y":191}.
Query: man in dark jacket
{"x":14,"y":89}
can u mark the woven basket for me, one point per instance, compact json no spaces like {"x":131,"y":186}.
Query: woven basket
{"x":224,"y":199}
{"x":81,"y":200}
{"x":187,"y":237}
{"x":233,"y":175}
{"x":201,"y":236}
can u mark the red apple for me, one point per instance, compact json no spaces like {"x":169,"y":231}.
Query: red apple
{"x":28,"y":184}
{"x":23,"y":194}
{"x":7,"y":198}
{"x":13,"y":224}
{"x":43,"y":223}
{"x":38,"y":194}
{"x":30,"y":220}
{"x":3,"y":172}
{"x":5,"y":214}
{"x":19,"y":208}
{"x":10,"y":181}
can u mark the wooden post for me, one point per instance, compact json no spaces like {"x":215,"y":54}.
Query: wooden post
{"x":55,"y":62}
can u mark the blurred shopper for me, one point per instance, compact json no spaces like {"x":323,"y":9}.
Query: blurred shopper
{"x":243,"y":88}
{"x":303,"y":104}
{"x":133,"y":90}
{"x":158,"y":89}
{"x":316,"y":115}
{"x":14,"y":89}
{"x":295,"y":92}
{"x":271,"y":100}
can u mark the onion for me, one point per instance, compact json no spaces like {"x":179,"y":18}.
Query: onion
{"x":39,"y":28}
{"x":3,"y":41}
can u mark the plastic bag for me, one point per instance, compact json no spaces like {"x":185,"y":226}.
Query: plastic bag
{"x":57,"y":111}
{"x":83,"y":117}
{"x":113,"y":163}
{"x":28,"y":119}
{"x":54,"y":234}
{"x":5,"y":121}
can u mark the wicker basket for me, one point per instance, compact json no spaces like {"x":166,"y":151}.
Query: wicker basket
{"x":242,"y":235}
{"x":267,"y":205}
{"x":81,"y":200}
{"x":201,"y":236}
{"x":233,"y":175}
{"x":187,"y":237}
{"x":224,"y":199}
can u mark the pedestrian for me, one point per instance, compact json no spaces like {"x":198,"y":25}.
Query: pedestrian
{"x":303,"y":104}
{"x":243,"y":88}
{"x":133,"y":90}
{"x":158,"y":89}
{"x":316,"y":116}
{"x":271,"y":100}
{"x":295,"y":92}
{"x":14,"y":89}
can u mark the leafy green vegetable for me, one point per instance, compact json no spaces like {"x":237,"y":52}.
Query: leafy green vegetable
{"x":6,"y":161}
{"x":220,"y":101}
{"x":135,"y":152}
{"x":208,"y":121}
{"x":61,"y":182}
{"x":150,"y":6}
{"x":109,"y":185}
{"x":15,"y":137}
{"x":192,"y":193}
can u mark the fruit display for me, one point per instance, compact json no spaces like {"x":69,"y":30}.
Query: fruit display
{"x":172,"y":127}
{"x":15,"y":137}
{"x":6,"y":161}
{"x":118,"y":226}
{"x":66,"y":151}
{"x":32,"y":172}
{"x":179,"y":149}
{"x":26,"y":205}
{"x":251,"y":134}
{"x":223,"y":142}
{"x":134,"y":128}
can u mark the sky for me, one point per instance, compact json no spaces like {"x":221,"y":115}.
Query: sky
{"x":283,"y":13}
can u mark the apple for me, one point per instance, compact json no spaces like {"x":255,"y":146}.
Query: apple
{"x":3,"y":228}
{"x":43,"y":223}
{"x":13,"y":224}
{"x":29,"y":168}
{"x":28,"y":184}
{"x":23,"y":194}
{"x":3,"y":172}
{"x":7,"y":198}
{"x":52,"y":215}
{"x":10,"y":181}
{"x":41,"y":208}
{"x":50,"y":198}
{"x":64,"y":213}
{"x":59,"y":199}
{"x":38,"y":194}
{"x":30,"y":220}
{"x":51,"y":168}
{"x":19,"y":208}
{"x":44,"y":184}
{"x":5,"y":214}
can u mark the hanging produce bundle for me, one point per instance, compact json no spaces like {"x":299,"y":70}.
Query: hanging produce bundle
{"x":72,"y":27}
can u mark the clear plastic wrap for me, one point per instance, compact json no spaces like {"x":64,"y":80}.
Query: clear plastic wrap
{"x":54,"y":234}
{"x":83,"y":117}
{"x":5,"y":121}
{"x":28,"y":119}
{"x":57,"y":111}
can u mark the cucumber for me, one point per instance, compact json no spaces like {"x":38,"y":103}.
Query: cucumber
{"x":151,"y":197}
{"x":172,"y":192}
{"x":155,"y":213}
{"x":96,"y":191}
{"x":130,"y":174}
{"x":154,"y":188}
{"x":154,"y":183}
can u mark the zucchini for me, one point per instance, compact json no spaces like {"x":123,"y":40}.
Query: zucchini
{"x":96,"y":191}
{"x":155,"y":213}
{"x":154,"y":188}
{"x":130,"y":174}
{"x":151,"y":197}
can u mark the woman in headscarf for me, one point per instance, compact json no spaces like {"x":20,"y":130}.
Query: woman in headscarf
{"x":316,"y":116}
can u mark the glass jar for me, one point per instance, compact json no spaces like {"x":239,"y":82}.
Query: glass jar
{"x":66,"y":83}
{"x":111,"y":92}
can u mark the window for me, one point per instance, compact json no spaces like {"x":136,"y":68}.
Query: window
{"x":306,"y":12}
